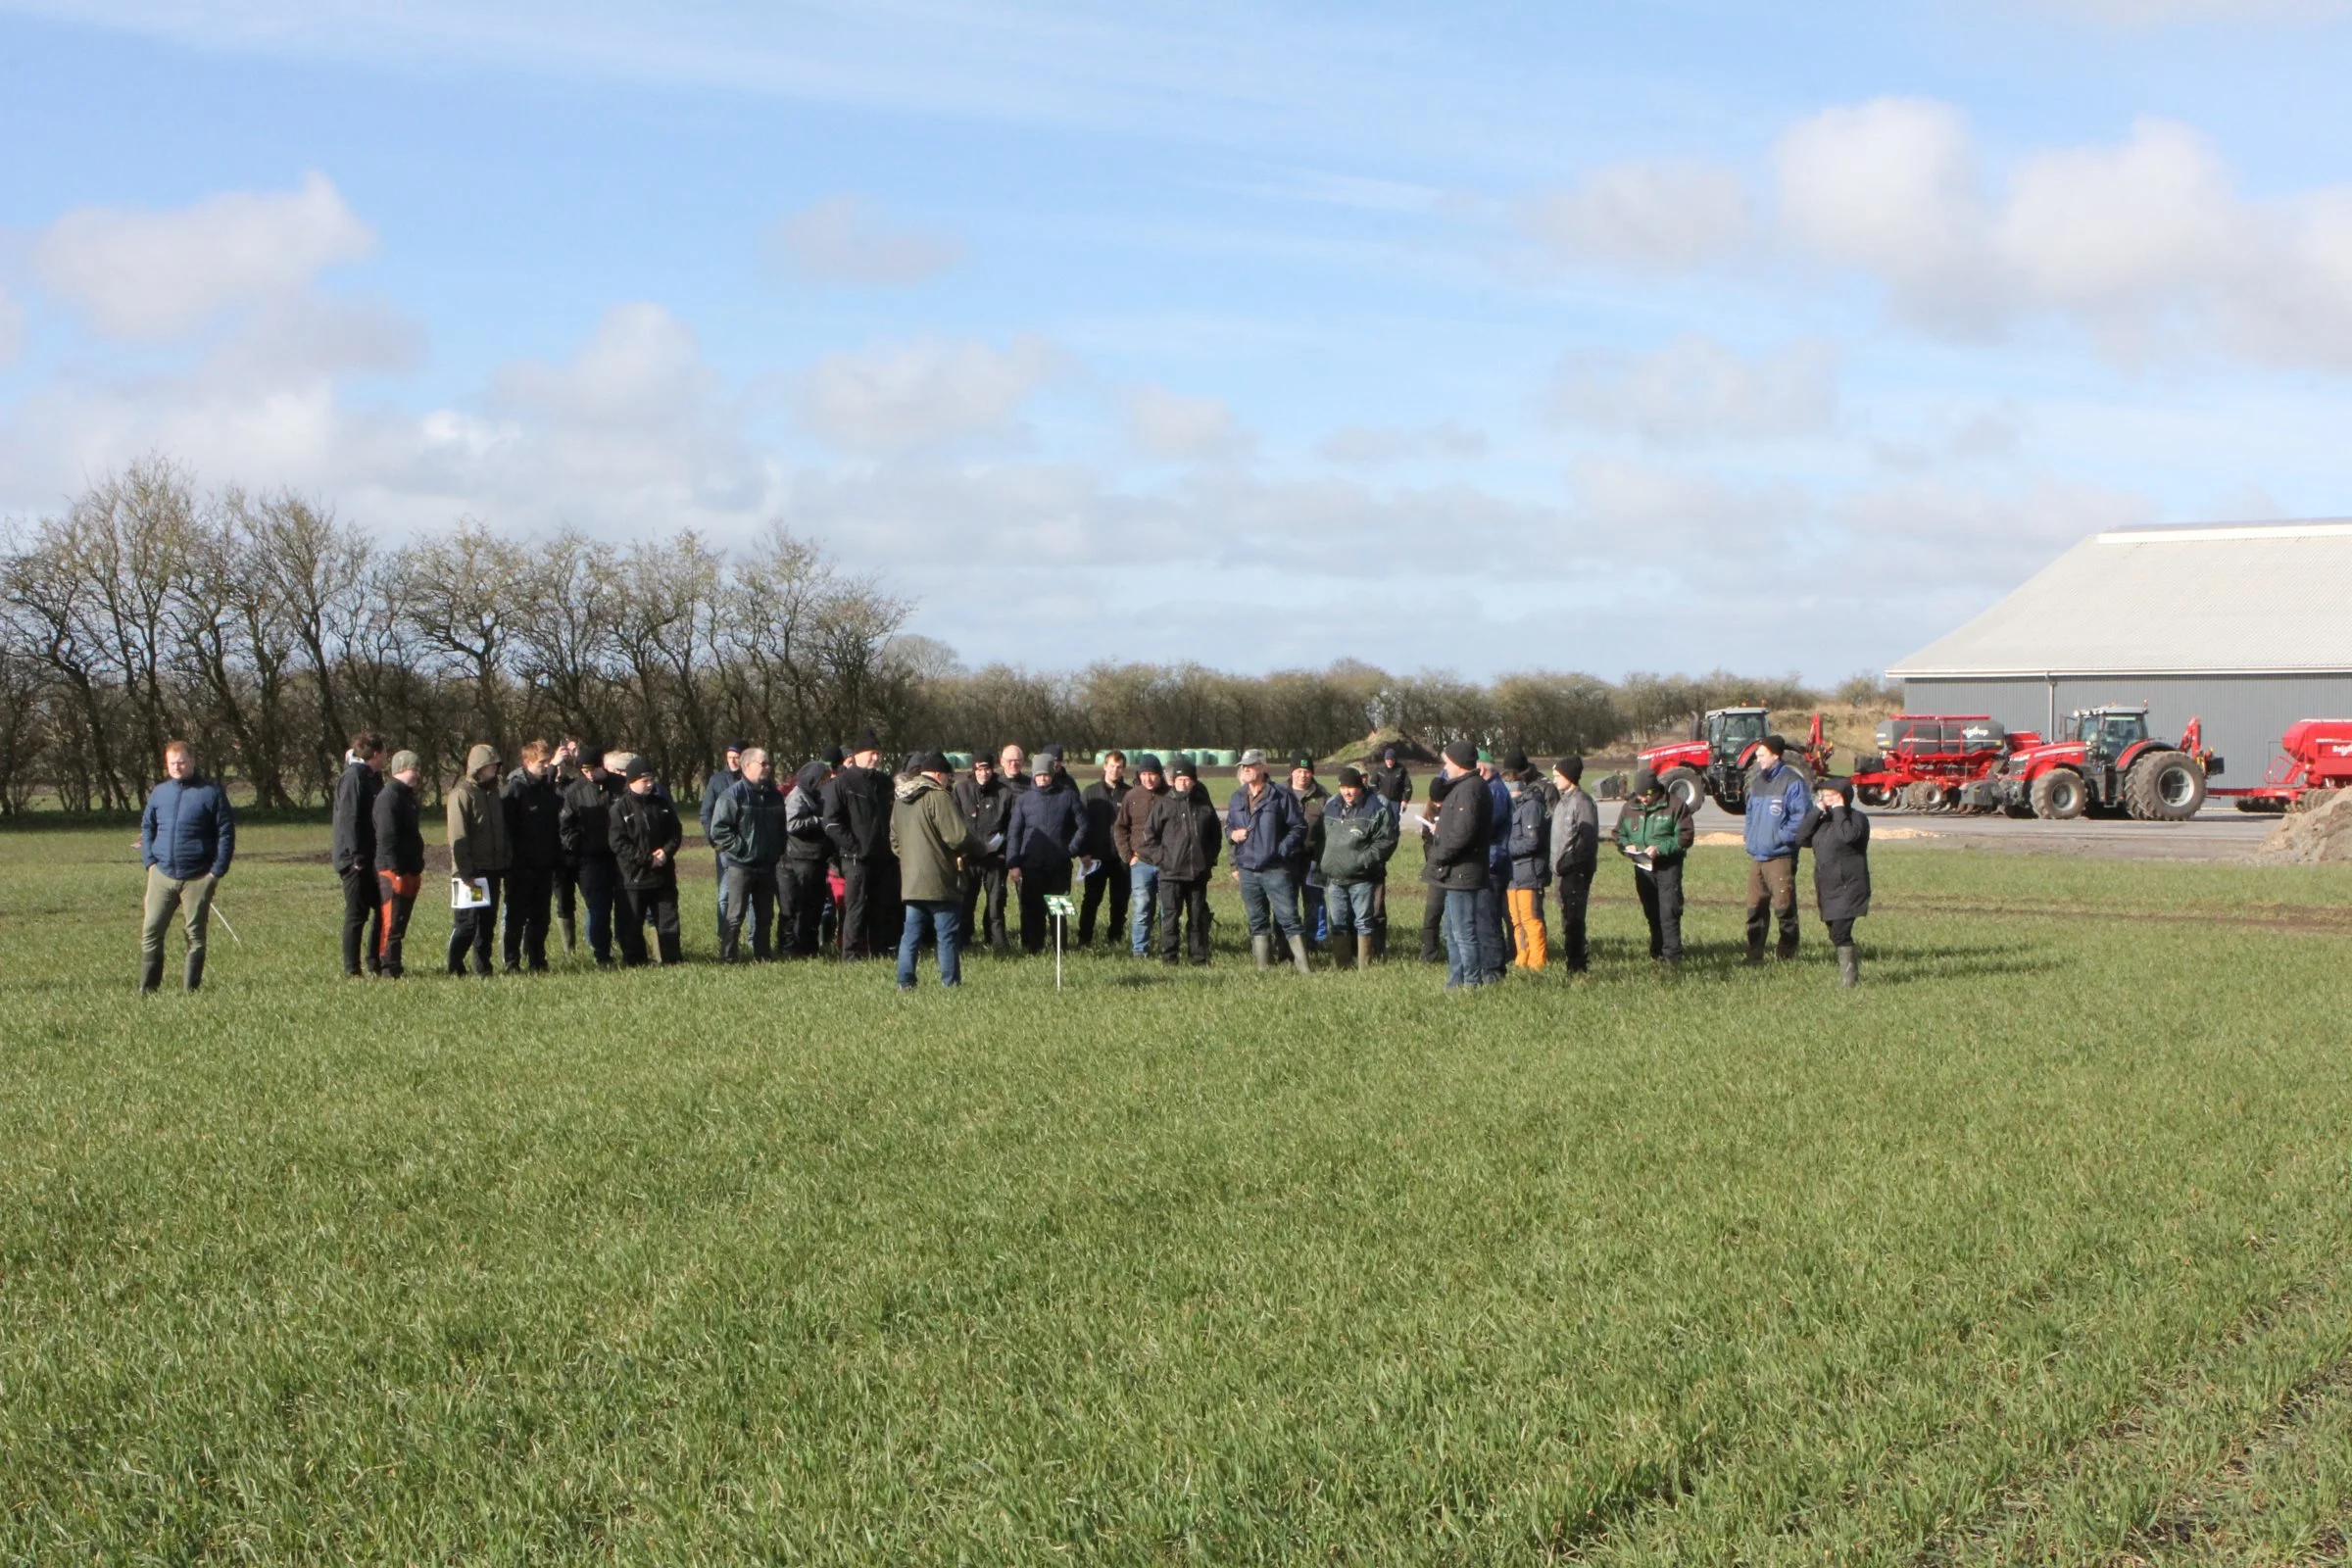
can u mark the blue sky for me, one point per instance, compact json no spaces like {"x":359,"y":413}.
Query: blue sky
{"x":1607,"y":337}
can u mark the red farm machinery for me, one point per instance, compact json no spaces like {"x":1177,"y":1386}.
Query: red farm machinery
{"x":1721,"y":753}
{"x":2317,"y":763}
{"x":1937,"y":762}
{"x":2106,"y":765}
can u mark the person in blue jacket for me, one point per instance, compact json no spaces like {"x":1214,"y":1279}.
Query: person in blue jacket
{"x":1778,"y":799}
{"x":188,"y":836}
{"x":1046,"y":830}
{"x":1268,"y":831}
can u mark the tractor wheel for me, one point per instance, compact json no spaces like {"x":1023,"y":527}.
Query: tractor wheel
{"x":2059,"y":795}
{"x":2165,"y":787}
{"x":1874,"y":796}
{"x":1921,"y":796}
{"x":1686,"y":786}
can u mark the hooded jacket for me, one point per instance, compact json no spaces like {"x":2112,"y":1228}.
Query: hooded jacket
{"x":1777,"y":804}
{"x":747,"y":825}
{"x":858,"y":814}
{"x":1840,"y":839}
{"x":1357,"y":840}
{"x":1127,"y":827}
{"x":805,"y":841}
{"x":477,"y":822}
{"x":930,"y":834}
{"x":1457,"y":849}
{"x":1277,"y":831}
{"x":535,"y":809}
{"x":1530,"y":838}
{"x":642,"y":824}
{"x":187,"y":829}
{"x":1047,"y":826}
{"x":1183,"y":834}
{"x":399,"y":839}
{"x":584,"y":822}
{"x":1575,"y":833}
{"x":1103,"y":801}
{"x":353,"y":845}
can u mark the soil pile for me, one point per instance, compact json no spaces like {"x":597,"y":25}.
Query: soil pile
{"x":2310,"y":838}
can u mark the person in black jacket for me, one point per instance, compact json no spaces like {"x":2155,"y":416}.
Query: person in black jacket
{"x":858,"y":820}
{"x":1838,"y":835}
{"x":1457,"y":851}
{"x":353,"y":852}
{"x":1391,"y":780}
{"x":535,"y":841}
{"x":584,"y":823}
{"x":566,"y":763}
{"x":1045,"y":832}
{"x":804,"y":891}
{"x":644,"y":847}
{"x":1183,"y":835}
{"x":986,"y":801}
{"x":716,"y":783}
{"x":399,"y":860}
{"x":747,"y":828}
{"x":1101,"y":802}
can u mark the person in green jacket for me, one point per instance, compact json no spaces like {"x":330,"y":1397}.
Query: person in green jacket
{"x":1359,"y":836}
{"x":1653,"y":831}
{"x":931,"y":837}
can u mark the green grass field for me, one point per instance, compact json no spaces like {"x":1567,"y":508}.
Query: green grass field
{"x":2038,"y":1248}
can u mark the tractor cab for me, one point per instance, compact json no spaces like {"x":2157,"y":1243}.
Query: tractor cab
{"x":2110,"y":732}
{"x":1730,"y":731}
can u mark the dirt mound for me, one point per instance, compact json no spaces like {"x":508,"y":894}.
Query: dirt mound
{"x":2310,"y":838}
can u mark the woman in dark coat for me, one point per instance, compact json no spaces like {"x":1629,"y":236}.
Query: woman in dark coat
{"x":1838,"y":835}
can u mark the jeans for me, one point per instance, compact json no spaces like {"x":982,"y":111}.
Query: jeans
{"x":939,"y":917}
{"x":600,"y":880}
{"x":1576,"y":891}
{"x":1463,"y":966}
{"x":745,"y":890}
{"x":1661,"y":893}
{"x":1037,"y":926}
{"x":529,"y":891}
{"x":363,"y":920}
{"x":1268,"y":901}
{"x":1353,"y":906}
{"x":192,"y":898}
{"x":1433,"y":923}
{"x":1142,"y":882}
{"x":1494,"y":941}
{"x":1312,"y":920}
{"x":470,"y":930}
{"x":1109,"y":878}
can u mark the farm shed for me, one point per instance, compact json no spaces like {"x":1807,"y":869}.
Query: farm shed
{"x":2246,"y":626}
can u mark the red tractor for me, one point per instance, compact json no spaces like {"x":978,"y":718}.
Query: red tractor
{"x":2107,"y":765}
{"x":1721,"y":753}
{"x":2318,"y":763}
{"x":1937,"y":762}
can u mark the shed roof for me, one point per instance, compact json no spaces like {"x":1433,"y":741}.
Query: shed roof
{"x":2242,"y":599}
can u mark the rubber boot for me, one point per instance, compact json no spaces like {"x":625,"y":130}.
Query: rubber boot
{"x":1755,"y":952}
{"x":1364,"y":954}
{"x":1262,"y":950}
{"x":1787,"y":947}
{"x":1344,"y":950}
{"x":1849,"y":966}
{"x":195,"y":970}
{"x":1298,"y":954}
{"x":1379,"y":944}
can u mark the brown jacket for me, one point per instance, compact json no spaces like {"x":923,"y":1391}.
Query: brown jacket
{"x":477,"y":822}
{"x":1127,"y":828}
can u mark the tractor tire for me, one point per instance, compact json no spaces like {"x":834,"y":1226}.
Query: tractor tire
{"x":2060,"y":795}
{"x":1876,"y":795}
{"x":1922,"y":796}
{"x":2165,"y":787}
{"x":1686,"y":786}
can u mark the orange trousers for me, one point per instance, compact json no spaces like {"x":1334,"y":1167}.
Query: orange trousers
{"x":1527,"y":926}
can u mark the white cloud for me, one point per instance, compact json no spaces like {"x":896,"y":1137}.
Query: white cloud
{"x":1643,"y":216}
{"x":1367,"y":445}
{"x":140,"y":274}
{"x":843,"y":239}
{"x":1170,"y":425}
{"x":12,"y":329}
{"x":1694,"y":390}
{"x":906,"y":397}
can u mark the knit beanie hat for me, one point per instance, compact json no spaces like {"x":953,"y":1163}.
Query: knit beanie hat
{"x":403,"y":762}
{"x":1148,"y":763}
{"x":1351,"y":779}
{"x":1645,"y":780}
{"x":1182,"y":767}
{"x":1571,"y":769}
{"x":1514,"y":762}
{"x":1461,"y":754}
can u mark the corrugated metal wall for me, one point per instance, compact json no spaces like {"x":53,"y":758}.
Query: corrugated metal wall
{"x":2245,"y":714}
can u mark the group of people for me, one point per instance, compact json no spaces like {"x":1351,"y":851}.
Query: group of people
{"x":848,"y":856}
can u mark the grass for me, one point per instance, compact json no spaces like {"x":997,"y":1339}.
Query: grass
{"x":2038,"y":1247}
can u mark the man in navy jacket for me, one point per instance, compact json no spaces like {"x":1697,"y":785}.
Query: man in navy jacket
{"x":188,"y":836}
{"x":1778,"y":799}
{"x":1268,"y":831}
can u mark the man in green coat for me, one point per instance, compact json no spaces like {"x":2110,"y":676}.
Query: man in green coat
{"x":1358,"y":837}
{"x":931,"y":837}
{"x":1653,"y":831}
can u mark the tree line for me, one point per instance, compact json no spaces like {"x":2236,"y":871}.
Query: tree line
{"x":266,"y":628}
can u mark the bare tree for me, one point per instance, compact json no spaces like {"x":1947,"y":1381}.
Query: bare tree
{"x":315,"y":571}
{"x":461,"y":592}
